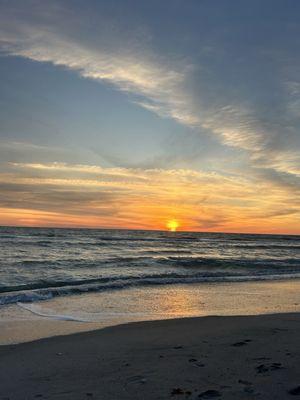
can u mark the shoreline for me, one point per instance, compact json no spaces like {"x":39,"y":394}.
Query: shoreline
{"x":230,"y":357}
{"x":132,"y":324}
{"x":64,"y":316}
{"x":186,"y":281}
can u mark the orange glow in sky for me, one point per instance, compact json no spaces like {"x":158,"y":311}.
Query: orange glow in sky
{"x":70,"y":195}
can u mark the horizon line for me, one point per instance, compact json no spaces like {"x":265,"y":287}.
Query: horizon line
{"x":148,"y":230}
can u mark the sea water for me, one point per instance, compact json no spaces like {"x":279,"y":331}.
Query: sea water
{"x":111,"y":276}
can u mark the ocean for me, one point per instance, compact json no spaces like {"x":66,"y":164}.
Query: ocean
{"x":101,"y":275}
{"x":38,"y":264}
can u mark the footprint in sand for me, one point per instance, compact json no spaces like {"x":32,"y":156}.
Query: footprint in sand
{"x":243,"y":382}
{"x":209,"y":394}
{"x":295,"y":391}
{"x":180,"y":391}
{"x":196,"y":363}
{"x":269,"y":367}
{"x":242,"y":343}
{"x":137,"y":379}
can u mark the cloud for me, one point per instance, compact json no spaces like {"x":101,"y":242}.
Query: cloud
{"x":246,"y":94}
{"x":158,"y":83}
{"x":125,"y":197}
{"x":55,"y":199}
{"x":134,"y":70}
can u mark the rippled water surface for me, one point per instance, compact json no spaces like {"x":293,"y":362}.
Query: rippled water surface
{"x":38,"y":264}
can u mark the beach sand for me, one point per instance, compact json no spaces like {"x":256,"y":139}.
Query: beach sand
{"x":240,"y":357}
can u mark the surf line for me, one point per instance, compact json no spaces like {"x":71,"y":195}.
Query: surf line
{"x":58,"y":317}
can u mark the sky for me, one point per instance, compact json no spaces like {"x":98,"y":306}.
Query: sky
{"x":133,"y":114}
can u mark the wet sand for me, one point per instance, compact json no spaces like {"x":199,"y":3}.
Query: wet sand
{"x":62,"y":315}
{"x":237,"y":357}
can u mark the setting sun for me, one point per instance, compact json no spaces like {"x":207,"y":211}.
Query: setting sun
{"x":172,"y":225}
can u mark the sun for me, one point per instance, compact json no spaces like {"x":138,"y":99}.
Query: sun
{"x":172,"y":225}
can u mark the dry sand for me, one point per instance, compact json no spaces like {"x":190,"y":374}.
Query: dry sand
{"x":196,"y":358}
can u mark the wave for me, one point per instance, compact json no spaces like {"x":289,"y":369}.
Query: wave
{"x":267,"y":246}
{"x":172,"y":258}
{"x":29,"y":296}
{"x":51,"y":284}
{"x":38,"y":264}
{"x":230,"y":263}
{"x":69,"y":239}
{"x":182,"y":267}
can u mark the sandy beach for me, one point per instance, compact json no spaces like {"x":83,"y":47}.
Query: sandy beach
{"x":239,"y":357}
